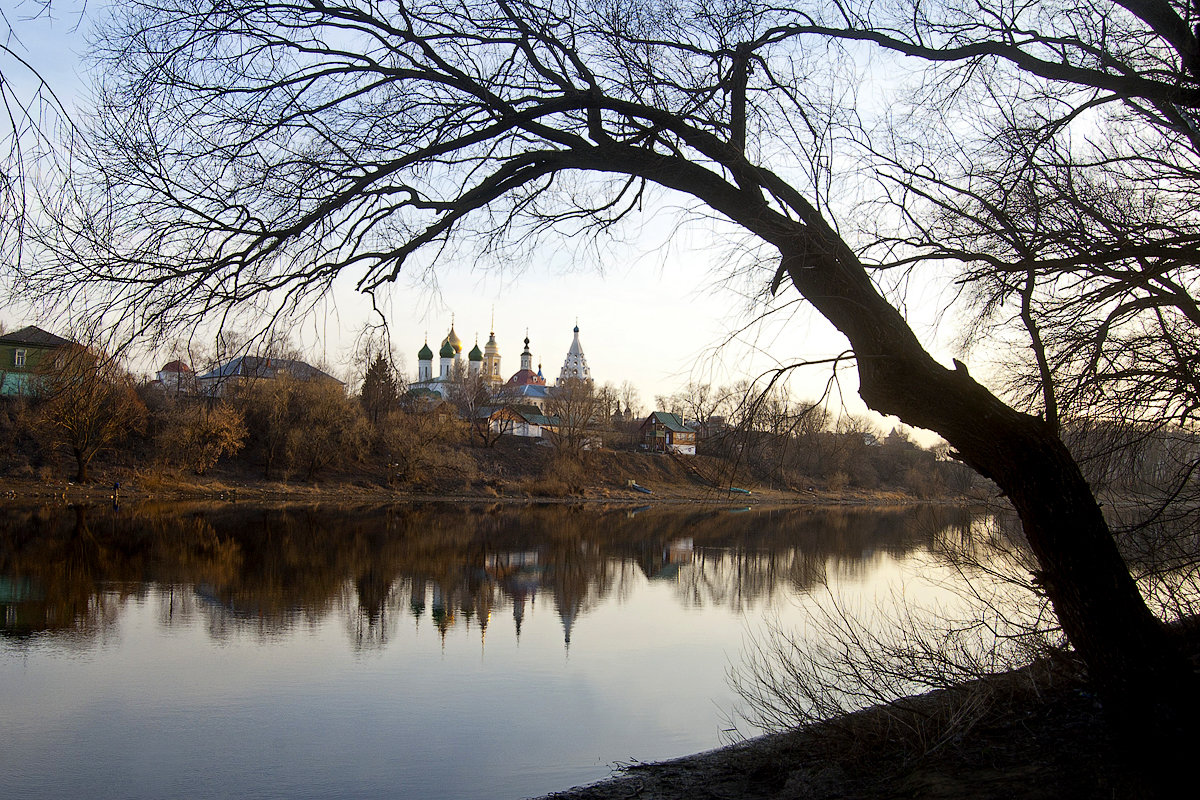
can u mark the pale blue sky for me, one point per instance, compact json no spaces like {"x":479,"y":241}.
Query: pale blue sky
{"x":655,"y":317}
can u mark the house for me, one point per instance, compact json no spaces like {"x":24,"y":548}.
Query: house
{"x":523,"y":420}
{"x":421,"y":399}
{"x":247,"y":369}
{"x":663,"y":432}
{"x":175,"y":378}
{"x":712,"y":428}
{"x":530,"y":394}
{"x":20,"y":354}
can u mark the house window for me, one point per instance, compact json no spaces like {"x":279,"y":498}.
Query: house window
{"x":19,"y":358}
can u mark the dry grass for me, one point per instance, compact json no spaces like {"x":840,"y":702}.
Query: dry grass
{"x":843,"y":660}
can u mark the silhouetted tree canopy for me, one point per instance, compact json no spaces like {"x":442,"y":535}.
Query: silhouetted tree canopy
{"x":251,"y":153}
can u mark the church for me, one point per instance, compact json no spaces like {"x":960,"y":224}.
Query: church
{"x":524,"y":387}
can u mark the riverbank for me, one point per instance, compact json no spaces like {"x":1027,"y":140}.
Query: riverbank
{"x":502,"y":474}
{"x":1033,"y":733}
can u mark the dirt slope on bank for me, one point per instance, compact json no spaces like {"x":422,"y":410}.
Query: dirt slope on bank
{"x":512,"y":471}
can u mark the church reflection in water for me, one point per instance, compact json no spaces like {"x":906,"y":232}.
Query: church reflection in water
{"x":68,"y":572}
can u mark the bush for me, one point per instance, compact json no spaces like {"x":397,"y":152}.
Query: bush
{"x":197,"y":437}
{"x":328,"y":429}
{"x":838,"y":481}
{"x":303,"y":425}
{"x":20,"y":448}
{"x":924,"y":480}
{"x":422,"y":449}
{"x":846,"y":659}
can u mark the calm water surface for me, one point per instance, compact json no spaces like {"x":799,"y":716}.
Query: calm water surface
{"x":416,"y":651}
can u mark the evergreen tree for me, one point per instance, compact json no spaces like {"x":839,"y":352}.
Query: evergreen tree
{"x":380,"y":390}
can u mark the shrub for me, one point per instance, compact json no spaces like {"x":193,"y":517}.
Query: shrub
{"x":197,"y":437}
{"x":421,"y":449}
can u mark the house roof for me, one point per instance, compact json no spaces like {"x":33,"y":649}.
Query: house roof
{"x":35,"y":336}
{"x":671,"y":422}
{"x":422,"y":391}
{"x":176,"y":366}
{"x":527,"y":412}
{"x":532,"y":390}
{"x":525,"y":377}
{"x":263,"y":367}
{"x":531,"y":415}
{"x":541,"y":419}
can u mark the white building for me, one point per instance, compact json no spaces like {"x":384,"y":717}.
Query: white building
{"x":449,"y":365}
{"x":524,"y":386}
{"x":575,"y":364}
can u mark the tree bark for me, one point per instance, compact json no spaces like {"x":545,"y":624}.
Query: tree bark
{"x":1135,"y":667}
{"x":81,"y":465}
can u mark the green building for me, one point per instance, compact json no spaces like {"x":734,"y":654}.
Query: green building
{"x":20,"y":353}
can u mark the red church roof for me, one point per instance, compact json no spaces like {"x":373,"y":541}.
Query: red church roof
{"x":526,"y":377}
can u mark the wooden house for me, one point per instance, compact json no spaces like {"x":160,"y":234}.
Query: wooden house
{"x":21,"y":352}
{"x":663,"y":432}
{"x":522,"y":420}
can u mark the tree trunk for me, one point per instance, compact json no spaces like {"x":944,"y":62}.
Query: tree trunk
{"x":81,"y":465}
{"x":1138,"y":671}
{"x":1135,"y":667}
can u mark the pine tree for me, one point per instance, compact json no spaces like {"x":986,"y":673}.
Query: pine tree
{"x":380,"y":389}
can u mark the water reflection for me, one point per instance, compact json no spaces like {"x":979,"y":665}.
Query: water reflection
{"x":326,"y":652}
{"x":67,"y":572}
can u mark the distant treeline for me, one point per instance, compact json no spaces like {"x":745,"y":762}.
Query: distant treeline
{"x":287,"y":428}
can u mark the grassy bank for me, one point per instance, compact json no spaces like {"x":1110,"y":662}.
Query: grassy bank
{"x":510,"y":471}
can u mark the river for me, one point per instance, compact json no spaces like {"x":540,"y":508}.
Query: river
{"x":423,"y":651}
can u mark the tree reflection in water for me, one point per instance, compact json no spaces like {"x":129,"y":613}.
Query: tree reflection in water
{"x":265,"y":572}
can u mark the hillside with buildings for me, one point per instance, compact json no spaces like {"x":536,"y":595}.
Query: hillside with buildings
{"x":462,"y":427}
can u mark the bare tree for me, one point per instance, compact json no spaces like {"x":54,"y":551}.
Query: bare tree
{"x":88,"y":403}
{"x":608,"y":398}
{"x":475,"y":397}
{"x":697,"y":402}
{"x":1081,"y":247}
{"x":31,"y":117}
{"x":266,"y":408}
{"x":422,"y":449}
{"x":630,"y":400}
{"x":197,"y":436}
{"x":356,"y":140}
{"x":326,"y":429}
{"x":574,"y":407}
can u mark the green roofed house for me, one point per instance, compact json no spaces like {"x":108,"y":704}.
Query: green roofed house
{"x":20,"y":353}
{"x":665,"y":433}
{"x":523,"y":420}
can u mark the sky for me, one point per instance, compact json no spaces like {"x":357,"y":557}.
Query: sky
{"x":651,"y":312}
